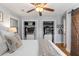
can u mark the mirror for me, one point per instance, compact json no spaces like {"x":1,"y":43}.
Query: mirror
{"x":14,"y":23}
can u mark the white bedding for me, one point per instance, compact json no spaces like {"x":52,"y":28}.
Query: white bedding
{"x":29,"y":48}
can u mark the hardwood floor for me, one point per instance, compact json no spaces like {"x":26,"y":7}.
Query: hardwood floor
{"x":61,"y":46}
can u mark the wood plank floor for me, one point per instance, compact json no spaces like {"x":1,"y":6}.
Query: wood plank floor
{"x":61,"y":46}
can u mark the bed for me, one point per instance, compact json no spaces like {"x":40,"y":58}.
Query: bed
{"x":29,"y":48}
{"x":42,"y":47}
{"x":48,"y":48}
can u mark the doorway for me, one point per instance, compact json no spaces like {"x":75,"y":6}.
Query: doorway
{"x":48,"y":30}
{"x":29,"y":30}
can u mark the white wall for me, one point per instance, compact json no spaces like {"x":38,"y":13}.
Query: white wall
{"x":39,"y":26}
{"x":7,"y":14}
{"x":68,"y":31}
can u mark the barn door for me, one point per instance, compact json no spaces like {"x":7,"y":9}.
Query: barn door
{"x":75,"y":33}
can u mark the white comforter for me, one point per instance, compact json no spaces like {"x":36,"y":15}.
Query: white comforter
{"x":29,"y":48}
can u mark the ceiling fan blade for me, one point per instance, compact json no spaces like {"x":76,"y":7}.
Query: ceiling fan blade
{"x":48,"y":9}
{"x":45,"y":3}
{"x":40,"y":13}
{"x":30,"y":10}
{"x":32,"y":3}
{"x":38,"y":4}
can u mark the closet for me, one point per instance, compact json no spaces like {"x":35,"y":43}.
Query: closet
{"x":48,"y":30}
{"x":29,"y":30}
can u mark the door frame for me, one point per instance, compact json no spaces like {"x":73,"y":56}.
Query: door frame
{"x":55,"y":30}
{"x":23,"y":28}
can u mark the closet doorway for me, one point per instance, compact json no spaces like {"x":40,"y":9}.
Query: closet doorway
{"x":29,"y":30}
{"x":48,"y":30}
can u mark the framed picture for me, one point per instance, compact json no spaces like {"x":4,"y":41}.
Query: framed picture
{"x":1,"y":16}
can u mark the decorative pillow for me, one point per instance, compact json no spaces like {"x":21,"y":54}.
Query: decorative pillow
{"x":19,"y":42}
{"x":13,"y":41}
{"x":3,"y":46}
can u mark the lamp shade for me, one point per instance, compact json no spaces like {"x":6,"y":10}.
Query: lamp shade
{"x":13,"y":29}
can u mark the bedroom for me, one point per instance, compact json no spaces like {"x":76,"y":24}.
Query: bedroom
{"x":13,"y":17}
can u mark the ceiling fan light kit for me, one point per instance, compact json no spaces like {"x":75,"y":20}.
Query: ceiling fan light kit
{"x":40,"y":7}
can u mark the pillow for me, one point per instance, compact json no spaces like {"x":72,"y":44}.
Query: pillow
{"x":4,"y":28}
{"x":18,"y":40}
{"x":3,"y":46}
{"x":13,"y":41}
{"x":2,"y":33}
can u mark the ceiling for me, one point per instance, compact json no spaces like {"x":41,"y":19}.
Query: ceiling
{"x":59,"y":8}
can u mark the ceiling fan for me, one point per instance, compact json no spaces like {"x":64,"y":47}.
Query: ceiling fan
{"x":40,"y":7}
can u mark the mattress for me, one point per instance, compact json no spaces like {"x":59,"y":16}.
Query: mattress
{"x":29,"y":48}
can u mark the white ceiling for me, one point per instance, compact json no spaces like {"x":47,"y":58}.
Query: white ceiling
{"x":59,"y":8}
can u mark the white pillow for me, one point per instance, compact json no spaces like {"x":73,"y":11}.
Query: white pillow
{"x":3,"y":46}
{"x":2,"y":33}
{"x":4,"y":28}
{"x":13,"y":41}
